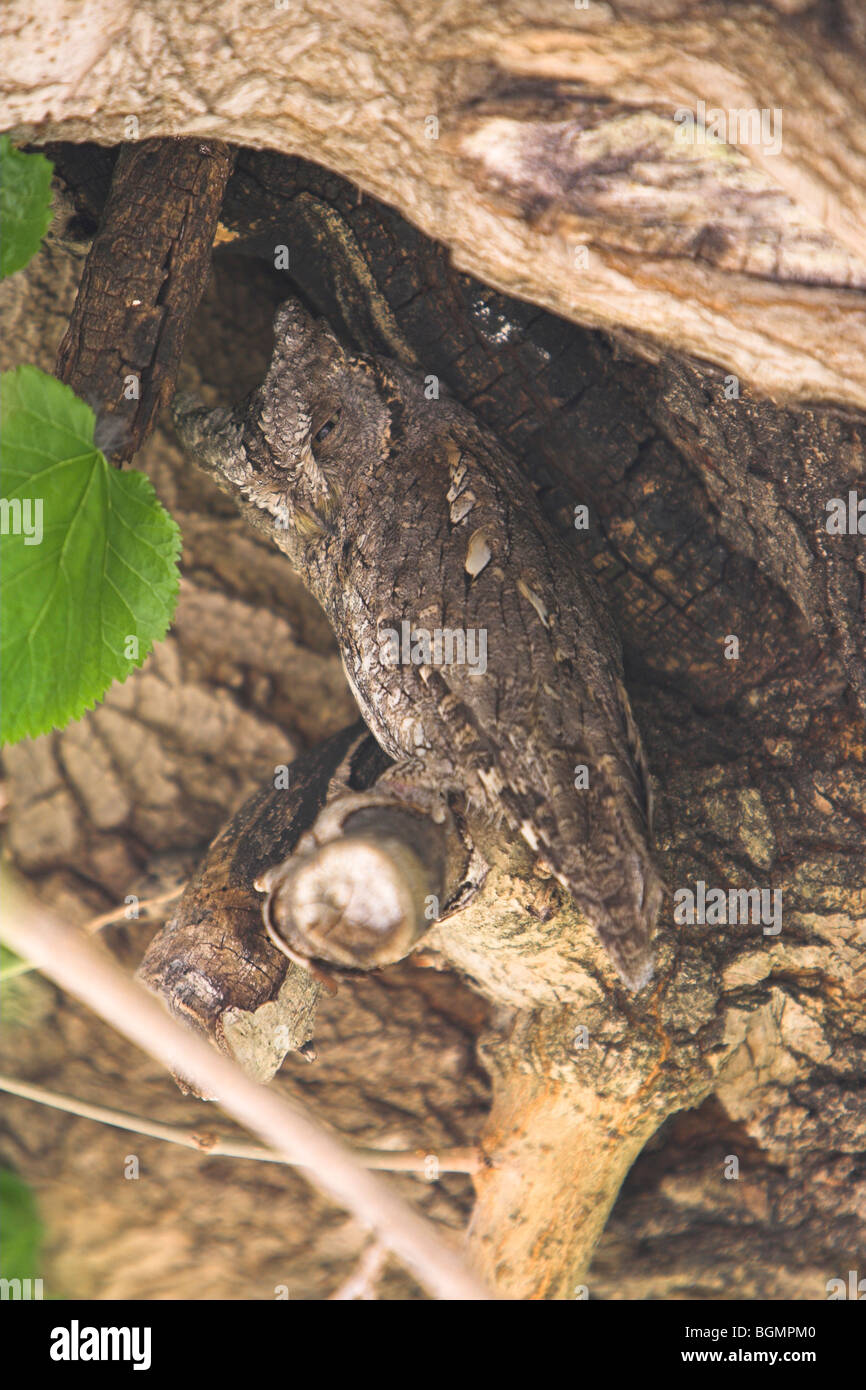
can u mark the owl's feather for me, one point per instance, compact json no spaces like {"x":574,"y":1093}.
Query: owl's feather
{"x":422,"y":517}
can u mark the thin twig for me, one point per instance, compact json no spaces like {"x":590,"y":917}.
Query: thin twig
{"x":77,"y":964}
{"x":105,"y":919}
{"x":214,"y":1145}
{"x":361,"y":1283}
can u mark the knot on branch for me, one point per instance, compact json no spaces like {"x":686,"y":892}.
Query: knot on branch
{"x":366,"y":882}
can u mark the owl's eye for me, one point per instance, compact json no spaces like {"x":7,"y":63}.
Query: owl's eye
{"x":326,"y":429}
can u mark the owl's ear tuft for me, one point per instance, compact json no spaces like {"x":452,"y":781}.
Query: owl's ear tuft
{"x":292,"y":323}
{"x":304,"y":342}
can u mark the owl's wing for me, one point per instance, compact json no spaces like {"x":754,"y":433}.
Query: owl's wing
{"x":535,"y":722}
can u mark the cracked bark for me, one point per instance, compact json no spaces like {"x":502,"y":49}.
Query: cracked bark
{"x":143,"y":279}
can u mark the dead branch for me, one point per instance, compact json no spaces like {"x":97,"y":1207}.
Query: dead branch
{"x":144,"y":276}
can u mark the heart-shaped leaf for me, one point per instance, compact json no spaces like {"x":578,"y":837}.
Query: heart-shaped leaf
{"x":89,"y":560}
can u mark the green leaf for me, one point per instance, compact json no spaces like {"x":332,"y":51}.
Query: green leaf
{"x":89,"y":560}
{"x":25,"y":205}
{"x":20,"y":1229}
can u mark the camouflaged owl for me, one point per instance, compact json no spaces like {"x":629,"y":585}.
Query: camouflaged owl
{"x":479,"y":652}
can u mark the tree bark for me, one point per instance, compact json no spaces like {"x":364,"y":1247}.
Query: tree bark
{"x":543,"y":150}
{"x":144,"y":277}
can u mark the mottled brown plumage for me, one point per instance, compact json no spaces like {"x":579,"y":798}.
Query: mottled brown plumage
{"x":398,"y":509}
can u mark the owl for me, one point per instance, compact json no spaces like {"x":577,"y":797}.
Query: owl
{"x":477,"y":647}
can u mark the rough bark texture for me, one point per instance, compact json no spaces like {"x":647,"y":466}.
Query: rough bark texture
{"x":212,"y":962}
{"x":555,"y":131}
{"x":706,"y":520}
{"x":144,"y":276}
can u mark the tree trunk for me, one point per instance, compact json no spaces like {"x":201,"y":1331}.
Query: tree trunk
{"x":522,"y":142}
